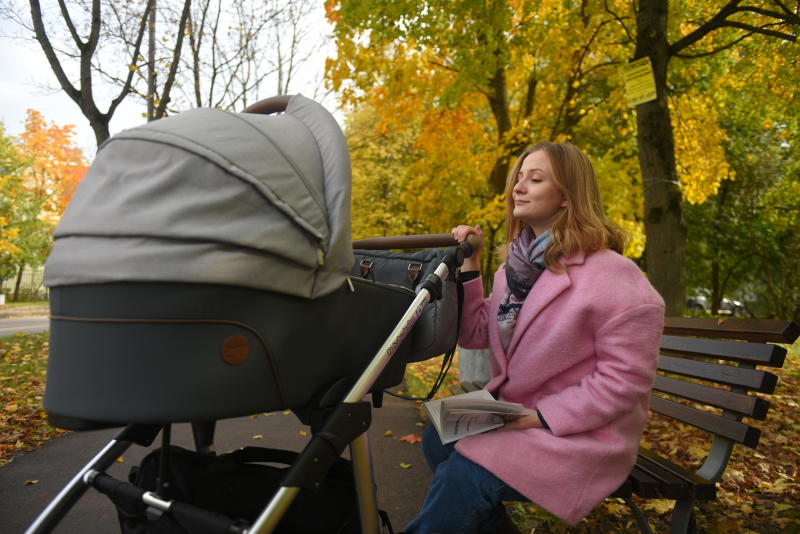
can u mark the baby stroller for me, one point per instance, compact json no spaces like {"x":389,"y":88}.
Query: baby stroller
{"x":203,"y":272}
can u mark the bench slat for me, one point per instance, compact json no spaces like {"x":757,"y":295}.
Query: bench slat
{"x":695,"y":485}
{"x":738,"y":351}
{"x":645,"y":485}
{"x":650,"y":479}
{"x":728,"y":428}
{"x":754,"y":379}
{"x":768,"y":330}
{"x":748,"y":405}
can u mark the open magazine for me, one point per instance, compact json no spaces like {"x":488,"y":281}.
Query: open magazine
{"x":470,"y":413}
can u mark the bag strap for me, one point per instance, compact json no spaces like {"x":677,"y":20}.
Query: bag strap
{"x":447,"y":361}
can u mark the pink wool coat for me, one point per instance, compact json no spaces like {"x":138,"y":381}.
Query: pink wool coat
{"x":583,"y":353}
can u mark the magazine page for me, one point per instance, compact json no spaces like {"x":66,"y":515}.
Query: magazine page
{"x":470,"y":413}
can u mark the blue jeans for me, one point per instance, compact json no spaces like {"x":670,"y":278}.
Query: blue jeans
{"x":464,"y":498}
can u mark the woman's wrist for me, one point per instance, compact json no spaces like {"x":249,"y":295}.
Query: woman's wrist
{"x":473,"y":263}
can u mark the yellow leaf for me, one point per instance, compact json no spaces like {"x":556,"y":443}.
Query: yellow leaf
{"x":303,"y":433}
{"x":31,"y":482}
{"x":405,"y":465}
{"x":11,"y":408}
{"x":388,"y":433}
{"x":258,"y":436}
{"x":120,"y":460}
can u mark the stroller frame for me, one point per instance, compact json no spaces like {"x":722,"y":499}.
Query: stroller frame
{"x":346,"y":426}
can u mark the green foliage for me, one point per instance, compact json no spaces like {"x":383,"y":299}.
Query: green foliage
{"x":13,"y":201}
{"x":743,"y":242}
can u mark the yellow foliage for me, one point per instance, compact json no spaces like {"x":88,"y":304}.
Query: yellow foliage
{"x":699,"y":151}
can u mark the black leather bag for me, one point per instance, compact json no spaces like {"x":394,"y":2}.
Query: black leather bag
{"x":239,"y":485}
{"x":436,"y":330}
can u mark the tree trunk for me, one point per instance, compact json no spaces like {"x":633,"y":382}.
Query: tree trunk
{"x":498,"y":102}
{"x":664,"y":225}
{"x":151,"y":65}
{"x":18,"y":283}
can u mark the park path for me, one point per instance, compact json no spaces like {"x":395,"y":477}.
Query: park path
{"x":401,"y":488}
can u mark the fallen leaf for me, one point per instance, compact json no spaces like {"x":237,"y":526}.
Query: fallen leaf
{"x":31,"y":482}
{"x":303,"y":433}
{"x":405,"y":465}
{"x":258,"y":436}
{"x":388,"y":433}
{"x":411,"y":438}
{"x":420,"y":425}
{"x":11,"y":408}
{"x":287,"y":412}
{"x":120,"y":460}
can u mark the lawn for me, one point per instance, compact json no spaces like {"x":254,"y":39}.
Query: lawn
{"x":23,"y":422}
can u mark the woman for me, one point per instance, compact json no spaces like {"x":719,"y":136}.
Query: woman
{"x":574,"y":329}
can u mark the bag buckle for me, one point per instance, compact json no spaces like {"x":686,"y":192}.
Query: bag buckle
{"x":365,"y":266}
{"x":413,"y":271}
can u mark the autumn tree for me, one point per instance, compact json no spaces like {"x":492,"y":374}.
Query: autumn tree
{"x":723,"y":26}
{"x":74,"y":41}
{"x":12,"y":195}
{"x":550,"y":70}
{"x":53,"y":167}
{"x":742,"y":242}
{"x":480,"y":81}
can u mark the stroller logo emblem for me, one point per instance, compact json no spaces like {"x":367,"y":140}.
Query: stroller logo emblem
{"x":235,"y":350}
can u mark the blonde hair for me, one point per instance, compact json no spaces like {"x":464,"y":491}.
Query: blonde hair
{"x":581,"y":225}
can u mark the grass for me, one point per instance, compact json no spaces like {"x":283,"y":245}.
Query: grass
{"x":31,"y":303}
{"x":23,"y":422}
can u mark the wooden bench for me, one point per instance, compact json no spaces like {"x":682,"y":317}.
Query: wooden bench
{"x":707,"y":372}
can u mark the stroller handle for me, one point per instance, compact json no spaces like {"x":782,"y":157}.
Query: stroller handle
{"x":417,"y":241}
{"x":273,"y":104}
{"x":406,"y":241}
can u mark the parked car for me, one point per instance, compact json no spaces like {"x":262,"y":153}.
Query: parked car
{"x":726,"y":307}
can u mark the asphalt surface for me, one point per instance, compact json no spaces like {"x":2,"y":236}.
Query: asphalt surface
{"x":24,"y":325}
{"x":30,"y":481}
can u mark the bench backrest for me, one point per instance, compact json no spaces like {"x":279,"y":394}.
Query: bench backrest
{"x":713,"y":364}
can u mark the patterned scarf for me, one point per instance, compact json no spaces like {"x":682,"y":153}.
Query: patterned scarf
{"x":524,"y":265}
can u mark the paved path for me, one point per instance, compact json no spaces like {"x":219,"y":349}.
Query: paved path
{"x":400,"y":491}
{"x":25,"y":325}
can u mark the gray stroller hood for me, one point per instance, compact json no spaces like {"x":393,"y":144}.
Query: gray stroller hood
{"x":208,"y":196}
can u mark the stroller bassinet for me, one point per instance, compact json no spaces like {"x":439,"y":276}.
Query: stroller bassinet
{"x":200,"y":272}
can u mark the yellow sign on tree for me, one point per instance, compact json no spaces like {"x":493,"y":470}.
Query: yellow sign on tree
{"x":640,"y":84}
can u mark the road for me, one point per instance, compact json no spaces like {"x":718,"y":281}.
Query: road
{"x":27,"y":325}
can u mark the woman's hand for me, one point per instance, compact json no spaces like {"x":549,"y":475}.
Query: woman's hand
{"x":460,"y":233}
{"x":525,"y":422}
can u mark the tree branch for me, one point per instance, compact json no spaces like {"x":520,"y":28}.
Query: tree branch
{"x":70,"y":25}
{"x":714,"y":51}
{"x":762,"y":30}
{"x":173,"y":68}
{"x":87,"y":52}
{"x":787,"y":17}
{"x":52,"y":58}
{"x":442,"y":65}
{"x":717,"y":21}
{"x":620,"y":20}
{"x":139,"y":37}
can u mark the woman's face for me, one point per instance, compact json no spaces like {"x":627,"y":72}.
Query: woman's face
{"x":537,"y":199}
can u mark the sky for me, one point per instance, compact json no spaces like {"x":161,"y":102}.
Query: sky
{"x":26,"y":81}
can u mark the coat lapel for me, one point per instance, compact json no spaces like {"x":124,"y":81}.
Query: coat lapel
{"x":544,"y":291}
